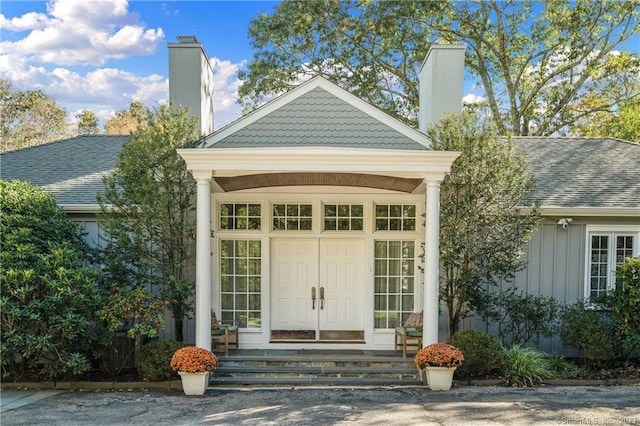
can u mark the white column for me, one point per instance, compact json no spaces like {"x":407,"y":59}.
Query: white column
{"x":203,"y":260}
{"x":431,"y":262}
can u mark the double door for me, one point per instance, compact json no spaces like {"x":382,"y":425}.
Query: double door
{"x":318,"y":288}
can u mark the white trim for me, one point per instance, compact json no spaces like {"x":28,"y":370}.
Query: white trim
{"x":612,"y":231}
{"x":401,"y":163}
{"x":81,"y":208}
{"x":306,"y":87}
{"x":588,"y":211}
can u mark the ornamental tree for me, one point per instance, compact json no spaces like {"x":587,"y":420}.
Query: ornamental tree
{"x":484,"y":229}
{"x":147,"y":210}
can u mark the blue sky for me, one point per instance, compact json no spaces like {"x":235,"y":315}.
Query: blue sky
{"x":104,"y":54}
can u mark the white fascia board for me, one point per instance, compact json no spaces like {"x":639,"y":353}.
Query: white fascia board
{"x":589,"y":211}
{"x":234,"y":161}
{"x":335,"y":90}
{"x":80,"y":208}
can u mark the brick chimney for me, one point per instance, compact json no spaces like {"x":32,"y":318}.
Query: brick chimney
{"x":191,"y":80}
{"x":441,"y":82}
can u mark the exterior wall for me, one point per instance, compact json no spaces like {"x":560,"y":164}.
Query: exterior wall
{"x":260,"y":338}
{"x":556,"y":267}
{"x":90,"y":225}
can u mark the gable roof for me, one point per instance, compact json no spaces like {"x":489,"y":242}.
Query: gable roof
{"x":583,"y":172}
{"x":318,"y":113}
{"x":71,"y":168}
{"x":572,"y":173}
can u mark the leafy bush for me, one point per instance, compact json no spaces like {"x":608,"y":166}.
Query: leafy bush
{"x":49,"y":297}
{"x":624,"y":306}
{"x":526,"y":367}
{"x":588,"y":331}
{"x":155,"y":360}
{"x":520,"y":318}
{"x":563,"y":368}
{"x":483,"y":352}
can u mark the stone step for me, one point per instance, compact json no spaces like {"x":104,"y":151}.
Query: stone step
{"x":245,"y":381}
{"x":314,"y":368}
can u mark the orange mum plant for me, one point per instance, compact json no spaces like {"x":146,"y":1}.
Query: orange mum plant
{"x":191,"y":359}
{"x":439,"y":355}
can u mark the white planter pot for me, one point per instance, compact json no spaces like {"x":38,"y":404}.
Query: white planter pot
{"x":194,"y":383}
{"x":440,"y":378}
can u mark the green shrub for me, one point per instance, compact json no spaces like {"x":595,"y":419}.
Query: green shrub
{"x":563,"y":368}
{"x":49,"y":297}
{"x":520,"y":318}
{"x":483,"y":353}
{"x":624,"y":305}
{"x":155,"y":359}
{"x":526,"y":367}
{"x":588,"y":331}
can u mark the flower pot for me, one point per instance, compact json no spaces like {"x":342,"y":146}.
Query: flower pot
{"x":194,"y":383}
{"x":440,"y":378}
{"x":422,"y":375}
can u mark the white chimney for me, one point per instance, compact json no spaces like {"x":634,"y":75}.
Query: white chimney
{"x":191,"y":80}
{"x":441,"y":82}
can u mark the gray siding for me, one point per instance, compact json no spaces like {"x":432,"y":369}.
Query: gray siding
{"x":555,"y":268}
{"x":91,"y":227}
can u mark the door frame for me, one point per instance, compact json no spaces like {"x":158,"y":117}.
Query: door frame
{"x":321,"y":269}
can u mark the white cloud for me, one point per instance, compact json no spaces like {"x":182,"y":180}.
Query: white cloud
{"x":472,"y":98}
{"x":64,"y":52}
{"x":79,"y":32}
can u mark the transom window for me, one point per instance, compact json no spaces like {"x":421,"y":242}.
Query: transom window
{"x":240,"y":282}
{"x":607,"y":250}
{"x":240,"y":216}
{"x":395,"y":217}
{"x":394,"y":282}
{"x":343,"y":217}
{"x":292,"y":217}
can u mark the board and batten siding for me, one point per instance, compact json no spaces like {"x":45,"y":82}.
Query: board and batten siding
{"x":555,"y":268}
{"x":92,"y":230}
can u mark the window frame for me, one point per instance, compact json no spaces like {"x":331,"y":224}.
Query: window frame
{"x":611,"y":231}
{"x":299,"y":218}
{"x":350,"y":218}
{"x":235,"y":276}
{"x":400,"y":294}
{"x":389,"y":218}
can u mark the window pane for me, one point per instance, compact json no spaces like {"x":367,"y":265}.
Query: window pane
{"x":241,"y":283}
{"x":239,"y":216}
{"x":393,"y":282}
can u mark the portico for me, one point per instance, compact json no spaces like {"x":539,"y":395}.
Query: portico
{"x":351,"y":176}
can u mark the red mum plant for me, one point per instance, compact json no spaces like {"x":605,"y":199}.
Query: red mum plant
{"x":191,"y":359}
{"x":439,"y":355}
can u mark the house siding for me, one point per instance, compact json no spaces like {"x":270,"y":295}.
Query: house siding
{"x":556,"y":265}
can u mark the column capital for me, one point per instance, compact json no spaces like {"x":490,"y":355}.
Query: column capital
{"x":201,"y":175}
{"x":434,"y":178}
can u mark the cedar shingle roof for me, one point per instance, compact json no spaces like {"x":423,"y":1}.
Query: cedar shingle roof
{"x":318,"y":118}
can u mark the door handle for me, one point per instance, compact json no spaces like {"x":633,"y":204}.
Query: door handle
{"x":313,"y":298}
{"x":321,"y":298}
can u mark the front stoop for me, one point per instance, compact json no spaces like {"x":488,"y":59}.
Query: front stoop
{"x":314,"y":368}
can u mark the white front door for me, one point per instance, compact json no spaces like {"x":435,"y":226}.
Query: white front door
{"x":318,"y":287}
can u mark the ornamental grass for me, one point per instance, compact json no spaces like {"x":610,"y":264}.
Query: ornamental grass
{"x":191,"y":359}
{"x":439,"y":355}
